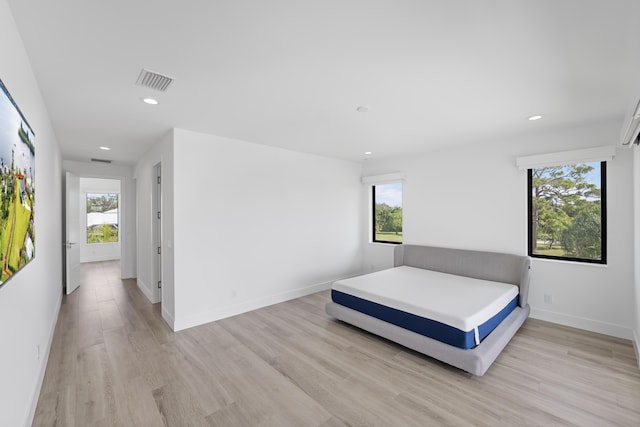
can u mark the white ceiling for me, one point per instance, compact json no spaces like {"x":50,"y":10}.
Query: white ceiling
{"x":291,"y":73}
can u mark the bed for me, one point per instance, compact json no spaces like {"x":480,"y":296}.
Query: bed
{"x":458,"y":306}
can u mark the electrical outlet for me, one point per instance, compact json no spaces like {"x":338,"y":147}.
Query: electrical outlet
{"x":548,"y":299}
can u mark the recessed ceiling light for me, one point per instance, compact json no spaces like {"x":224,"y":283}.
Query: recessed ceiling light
{"x":150,"y":101}
{"x":105,"y":148}
{"x":536,"y":117}
{"x":368,"y":153}
{"x":363,"y":109}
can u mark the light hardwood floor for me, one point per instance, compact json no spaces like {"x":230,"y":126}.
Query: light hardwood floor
{"x":115,"y":362}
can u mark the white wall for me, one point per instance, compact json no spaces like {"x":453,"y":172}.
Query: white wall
{"x":123,"y":173}
{"x":257,"y":225}
{"x":145,"y":186}
{"x":97,"y":251}
{"x":475,"y":198}
{"x":30,"y":300}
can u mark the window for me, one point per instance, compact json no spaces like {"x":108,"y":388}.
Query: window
{"x":387,"y":213}
{"x":567,"y":212}
{"x":102,"y":217}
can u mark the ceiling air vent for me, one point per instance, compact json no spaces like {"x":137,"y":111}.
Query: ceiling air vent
{"x":154,"y":81}
{"x":101,"y":160}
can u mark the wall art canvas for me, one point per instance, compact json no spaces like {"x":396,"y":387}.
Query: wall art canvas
{"x":17,"y":188}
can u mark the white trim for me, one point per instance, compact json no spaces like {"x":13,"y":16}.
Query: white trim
{"x":44,"y":359}
{"x":168,"y":318}
{"x":597,"y":154}
{"x":566,"y":261}
{"x":98,"y":258}
{"x":597,"y":326}
{"x":636,"y":346}
{"x":377,"y":179}
{"x":150,"y":294}
{"x":232,"y":310}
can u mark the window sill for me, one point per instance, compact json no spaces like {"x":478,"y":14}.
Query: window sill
{"x":384,"y":243}
{"x":560,"y":261}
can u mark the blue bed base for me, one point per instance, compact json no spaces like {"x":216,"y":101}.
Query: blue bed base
{"x":421,"y":325}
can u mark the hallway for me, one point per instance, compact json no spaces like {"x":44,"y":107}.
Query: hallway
{"x":106,"y":329}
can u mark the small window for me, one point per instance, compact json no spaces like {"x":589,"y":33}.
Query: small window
{"x":102,"y":217}
{"x":567,"y":212}
{"x":387,"y":213}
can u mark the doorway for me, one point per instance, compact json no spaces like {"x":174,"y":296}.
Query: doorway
{"x":95,"y":209}
{"x":100,"y":231}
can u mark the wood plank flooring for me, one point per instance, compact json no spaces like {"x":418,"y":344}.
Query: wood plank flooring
{"x":115,"y":362}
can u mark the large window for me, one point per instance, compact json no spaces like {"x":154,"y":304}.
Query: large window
{"x":387,"y":213}
{"x":567,"y":212}
{"x":102,"y":217}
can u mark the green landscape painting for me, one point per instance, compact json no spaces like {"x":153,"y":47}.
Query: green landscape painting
{"x":17,"y":189}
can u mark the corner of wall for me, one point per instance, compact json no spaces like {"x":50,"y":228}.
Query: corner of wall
{"x":146,"y":291}
{"x":254,"y":304}
{"x":169,"y":319}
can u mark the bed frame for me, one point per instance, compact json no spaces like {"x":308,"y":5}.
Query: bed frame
{"x":499,"y":267}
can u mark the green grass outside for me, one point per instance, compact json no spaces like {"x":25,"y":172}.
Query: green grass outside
{"x":389,"y":236}
{"x":554,"y":251}
{"x":97,"y":235}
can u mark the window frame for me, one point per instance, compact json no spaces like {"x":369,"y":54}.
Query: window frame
{"x":603,"y":220}
{"x":373,"y":216}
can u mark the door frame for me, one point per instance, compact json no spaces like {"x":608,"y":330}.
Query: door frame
{"x":122,"y":207}
{"x":71,"y":252}
{"x":156,"y":230}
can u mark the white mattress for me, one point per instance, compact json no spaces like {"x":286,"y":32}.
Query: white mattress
{"x":461,"y":302}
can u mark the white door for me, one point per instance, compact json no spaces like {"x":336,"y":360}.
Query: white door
{"x":72,"y":232}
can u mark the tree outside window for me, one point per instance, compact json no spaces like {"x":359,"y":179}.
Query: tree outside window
{"x":102,"y":217}
{"x":387,"y":213}
{"x":567,"y":212}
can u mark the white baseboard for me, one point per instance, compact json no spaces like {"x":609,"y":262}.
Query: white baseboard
{"x":606,"y":328}
{"x":97,"y":258}
{"x":44,"y":358}
{"x":168,"y":318}
{"x":151,"y":296}
{"x":228,"y":311}
{"x":636,"y":346}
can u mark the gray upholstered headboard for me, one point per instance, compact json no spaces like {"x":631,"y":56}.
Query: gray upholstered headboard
{"x":499,"y":267}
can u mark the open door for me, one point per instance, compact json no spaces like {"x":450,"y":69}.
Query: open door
{"x":72,"y":232}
